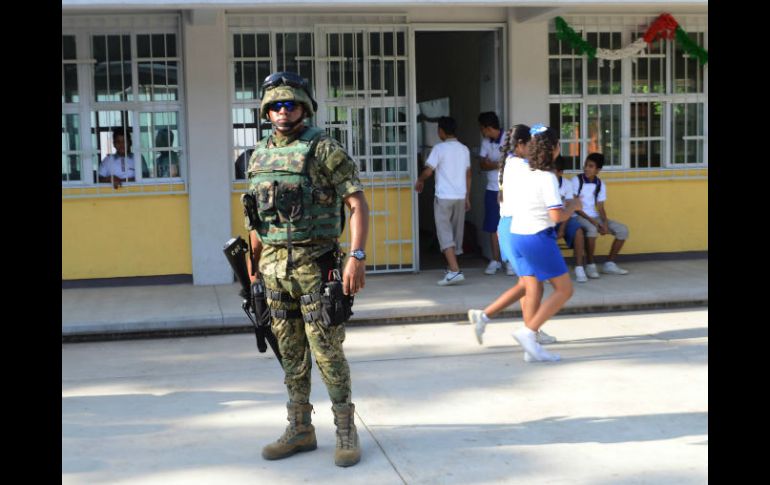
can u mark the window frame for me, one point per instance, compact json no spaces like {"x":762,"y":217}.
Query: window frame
{"x":630,"y":28}
{"x":85,"y":29}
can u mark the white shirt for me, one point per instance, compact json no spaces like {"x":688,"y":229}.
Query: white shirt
{"x":491,"y":150}
{"x":587,"y":194}
{"x":450,"y":159}
{"x":506,"y":207}
{"x":533,"y":193}
{"x":566,"y":190}
{"x":118,"y":166}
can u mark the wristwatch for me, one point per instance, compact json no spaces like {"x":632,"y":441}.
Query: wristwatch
{"x":359,"y":254}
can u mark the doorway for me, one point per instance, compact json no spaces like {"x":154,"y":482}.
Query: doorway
{"x":458,"y":74}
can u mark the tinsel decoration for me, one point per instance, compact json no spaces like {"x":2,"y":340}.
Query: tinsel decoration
{"x":665,"y":26}
{"x":691,"y":47}
{"x":565,"y":33}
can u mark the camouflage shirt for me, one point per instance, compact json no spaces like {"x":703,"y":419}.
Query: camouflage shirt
{"x":330,"y":167}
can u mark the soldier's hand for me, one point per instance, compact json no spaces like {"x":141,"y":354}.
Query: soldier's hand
{"x":354,"y":276}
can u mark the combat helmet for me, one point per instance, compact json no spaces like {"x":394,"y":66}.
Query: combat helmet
{"x":286,"y":86}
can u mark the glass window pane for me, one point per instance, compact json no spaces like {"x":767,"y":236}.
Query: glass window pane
{"x":305,"y":44}
{"x":249,"y":45}
{"x":158,"y":45}
{"x":374,"y":43}
{"x":553,"y":76}
{"x":70,"y":83}
{"x":237,"y":49}
{"x":68,"y":47}
{"x":263,"y":45}
{"x":401,"y":48}
{"x":170,"y":45}
{"x":387,"y":43}
{"x":553,"y":44}
{"x":143,"y":46}
{"x":604,"y":131}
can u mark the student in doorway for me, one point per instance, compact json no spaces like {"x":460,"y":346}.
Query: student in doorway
{"x":489,"y":161}
{"x":451,"y":161}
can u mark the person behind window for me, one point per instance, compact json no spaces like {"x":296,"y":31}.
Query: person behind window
{"x":120,"y":167}
{"x":241,"y":162}
{"x":167,"y":162}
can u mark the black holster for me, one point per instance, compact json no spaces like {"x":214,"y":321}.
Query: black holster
{"x":336,"y":307}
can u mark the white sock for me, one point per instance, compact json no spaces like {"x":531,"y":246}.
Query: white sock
{"x":526,"y":339}
{"x":484,"y":317}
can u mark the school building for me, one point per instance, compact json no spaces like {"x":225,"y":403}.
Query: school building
{"x":182,"y":79}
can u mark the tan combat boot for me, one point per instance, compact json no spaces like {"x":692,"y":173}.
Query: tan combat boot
{"x":299,"y":434}
{"x":348,"y":452}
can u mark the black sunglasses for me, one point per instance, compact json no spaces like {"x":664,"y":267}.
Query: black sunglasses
{"x":286,"y":78}
{"x":289,"y":105}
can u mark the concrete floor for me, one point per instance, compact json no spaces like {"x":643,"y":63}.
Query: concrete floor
{"x":627,"y":405}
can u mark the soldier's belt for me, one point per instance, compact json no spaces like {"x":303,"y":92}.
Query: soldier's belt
{"x":311,"y":298}
{"x":278,"y":295}
{"x":285,"y":314}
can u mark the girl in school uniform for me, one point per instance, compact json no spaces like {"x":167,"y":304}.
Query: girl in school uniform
{"x":536,"y":206}
{"x":514,"y":155}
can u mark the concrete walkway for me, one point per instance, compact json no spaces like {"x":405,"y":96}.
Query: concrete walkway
{"x":387,"y":298}
{"x":627,"y":405}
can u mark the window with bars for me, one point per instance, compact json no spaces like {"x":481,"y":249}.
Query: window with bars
{"x":121,"y":87}
{"x":640,"y":112}
{"x":255,"y":55}
{"x":365,"y":82}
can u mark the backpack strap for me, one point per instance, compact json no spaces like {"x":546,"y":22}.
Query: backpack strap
{"x":596,"y":191}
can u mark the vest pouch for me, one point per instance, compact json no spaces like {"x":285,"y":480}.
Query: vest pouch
{"x":265,"y":194}
{"x":324,"y":197}
{"x":288,"y":201}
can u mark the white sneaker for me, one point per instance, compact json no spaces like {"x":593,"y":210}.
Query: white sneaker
{"x":451,"y":278}
{"x":543,"y":338}
{"x":474,"y":317}
{"x":580,"y":274}
{"x":611,"y":268}
{"x":509,"y":269}
{"x":591,"y":271}
{"x":493,"y":267}
{"x":527,"y":340}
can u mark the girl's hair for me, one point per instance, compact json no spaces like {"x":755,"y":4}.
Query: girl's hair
{"x":540,"y":148}
{"x":517,"y":134}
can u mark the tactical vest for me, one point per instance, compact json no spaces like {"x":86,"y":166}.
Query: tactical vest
{"x":289,"y":207}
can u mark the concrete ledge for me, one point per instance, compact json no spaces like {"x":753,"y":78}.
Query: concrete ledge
{"x":145,"y":330}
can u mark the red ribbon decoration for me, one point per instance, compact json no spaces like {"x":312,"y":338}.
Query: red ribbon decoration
{"x":664,"y":26}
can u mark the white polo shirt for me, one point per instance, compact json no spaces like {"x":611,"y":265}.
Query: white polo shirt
{"x":532,"y":194}
{"x":118,"y":166}
{"x":587,"y":194}
{"x":450,"y":159}
{"x":491,"y":150}
{"x":566,"y":191}
{"x":506,"y":207}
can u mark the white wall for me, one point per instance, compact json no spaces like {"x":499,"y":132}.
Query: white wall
{"x":528,"y":72}
{"x":208,"y":106}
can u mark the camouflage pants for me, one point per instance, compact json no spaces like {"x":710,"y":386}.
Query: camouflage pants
{"x":296,"y":339}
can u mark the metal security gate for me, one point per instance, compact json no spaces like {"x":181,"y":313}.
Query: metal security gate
{"x":362,"y":91}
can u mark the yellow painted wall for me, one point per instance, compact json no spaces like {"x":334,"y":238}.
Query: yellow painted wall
{"x":662,"y":215}
{"x":125,"y":236}
{"x":385,"y":226}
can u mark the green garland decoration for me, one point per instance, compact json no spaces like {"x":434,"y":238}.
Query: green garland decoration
{"x":690,"y":46}
{"x":565,"y":33}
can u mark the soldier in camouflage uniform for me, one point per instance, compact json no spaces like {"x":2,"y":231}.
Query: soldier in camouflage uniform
{"x":300,"y":178}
